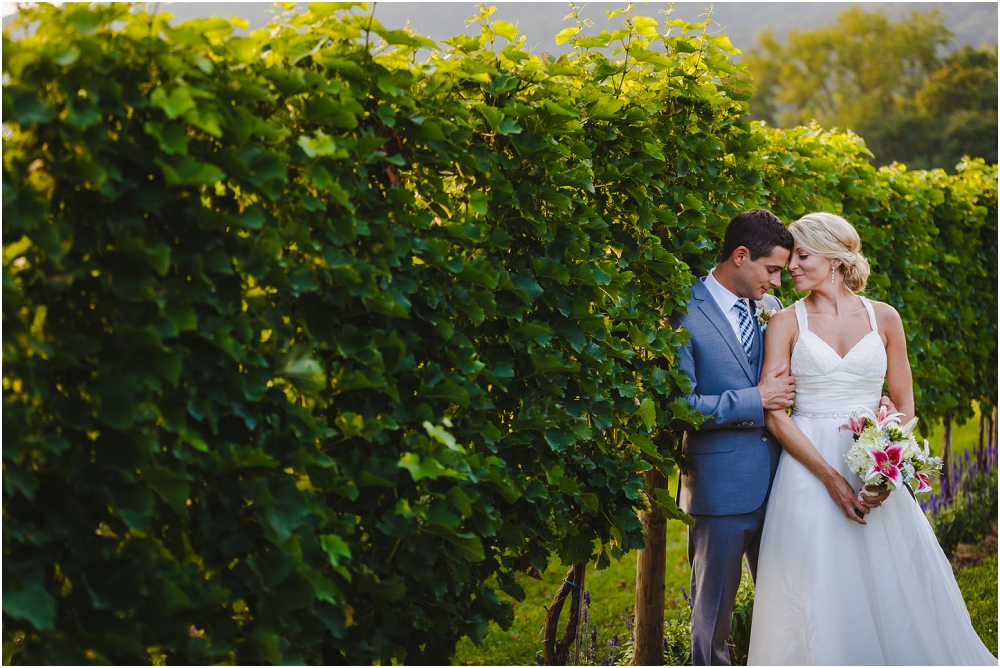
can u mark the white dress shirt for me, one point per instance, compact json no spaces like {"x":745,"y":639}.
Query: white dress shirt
{"x":727,"y":302}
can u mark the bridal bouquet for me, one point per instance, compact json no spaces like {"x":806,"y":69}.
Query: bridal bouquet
{"x":886,"y":453}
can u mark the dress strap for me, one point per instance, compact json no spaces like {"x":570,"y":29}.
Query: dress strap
{"x":801,"y":316}
{"x":871,"y":313}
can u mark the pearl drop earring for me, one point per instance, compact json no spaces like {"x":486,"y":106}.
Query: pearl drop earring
{"x":833,"y":274}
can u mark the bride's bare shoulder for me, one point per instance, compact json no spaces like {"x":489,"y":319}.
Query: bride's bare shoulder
{"x":784,"y":320}
{"x":886,"y":315}
{"x":881,"y":308}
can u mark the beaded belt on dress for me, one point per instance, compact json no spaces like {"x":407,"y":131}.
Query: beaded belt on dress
{"x":805,"y":414}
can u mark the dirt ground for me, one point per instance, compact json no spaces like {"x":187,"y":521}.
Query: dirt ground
{"x":967,"y":555}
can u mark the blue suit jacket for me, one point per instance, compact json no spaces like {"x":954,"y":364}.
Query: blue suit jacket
{"x":730,"y":459}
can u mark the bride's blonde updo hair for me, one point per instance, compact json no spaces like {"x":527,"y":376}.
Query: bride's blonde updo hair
{"x":832,"y":237}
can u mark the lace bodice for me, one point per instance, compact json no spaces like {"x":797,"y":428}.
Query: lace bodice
{"x":828,"y":383}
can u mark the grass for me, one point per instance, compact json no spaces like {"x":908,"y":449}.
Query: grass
{"x":613,"y":592}
{"x":979,"y":588}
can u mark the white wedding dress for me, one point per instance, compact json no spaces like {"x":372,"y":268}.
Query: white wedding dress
{"x":834,"y":592}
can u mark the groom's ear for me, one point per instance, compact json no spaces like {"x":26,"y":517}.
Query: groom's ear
{"x":740,"y":255}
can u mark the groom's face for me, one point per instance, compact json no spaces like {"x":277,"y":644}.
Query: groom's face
{"x":760,"y":275}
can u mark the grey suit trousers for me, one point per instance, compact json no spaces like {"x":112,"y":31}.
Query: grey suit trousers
{"x":719,"y":541}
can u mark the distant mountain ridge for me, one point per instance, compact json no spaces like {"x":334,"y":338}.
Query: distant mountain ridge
{"x":973,"y":23}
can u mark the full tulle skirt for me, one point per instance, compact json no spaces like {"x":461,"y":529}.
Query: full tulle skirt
{"x":834,"y":592}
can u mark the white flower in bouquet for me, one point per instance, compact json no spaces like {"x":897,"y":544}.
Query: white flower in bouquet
{"x":858,"y":459}
{"x":872,"y":438}
{"x":910,"y":448}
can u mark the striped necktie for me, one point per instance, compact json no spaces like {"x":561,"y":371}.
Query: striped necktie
{"x":746,"y":326}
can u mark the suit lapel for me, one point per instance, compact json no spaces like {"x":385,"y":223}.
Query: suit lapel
{"x":758,"y":340}
{"x":721,"y":322}
{"x":760,"y":333}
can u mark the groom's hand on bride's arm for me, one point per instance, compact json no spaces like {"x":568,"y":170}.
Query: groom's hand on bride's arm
{"x":886,"y":403}
{"x":777,"y":390}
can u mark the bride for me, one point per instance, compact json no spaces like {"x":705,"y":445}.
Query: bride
{"x":839,"y":582}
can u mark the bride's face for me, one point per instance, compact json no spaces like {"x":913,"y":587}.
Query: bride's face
{"x":807,"y":269}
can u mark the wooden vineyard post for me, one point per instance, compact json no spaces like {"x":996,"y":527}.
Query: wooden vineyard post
{"x":555,"y":653}
{"x":983,"y":425}
{"x":946,"y":491}
{"x":650,"y":571}
{"x":993,"y":428}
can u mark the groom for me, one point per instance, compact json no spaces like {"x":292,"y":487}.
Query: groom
{"x":730,"y":459}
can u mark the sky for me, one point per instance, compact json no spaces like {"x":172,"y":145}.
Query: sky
{"x":973,"y":24}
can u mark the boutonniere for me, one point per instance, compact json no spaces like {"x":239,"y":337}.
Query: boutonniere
{"x":763,"y":315}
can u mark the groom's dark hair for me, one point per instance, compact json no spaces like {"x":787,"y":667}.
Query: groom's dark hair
{"x":757,"y":229}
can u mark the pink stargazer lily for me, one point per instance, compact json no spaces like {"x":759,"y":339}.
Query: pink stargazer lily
{"x":923,"y":482}
{"x":884,"y":417}
{"x":887,"y":463}
{"x":855,"y":425}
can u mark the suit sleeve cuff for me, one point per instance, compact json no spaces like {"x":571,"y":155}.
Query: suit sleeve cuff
{"x":751,"y":408}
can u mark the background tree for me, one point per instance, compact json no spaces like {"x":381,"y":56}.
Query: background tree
{"x":885,"y":81}
{"x":962,"y":94}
